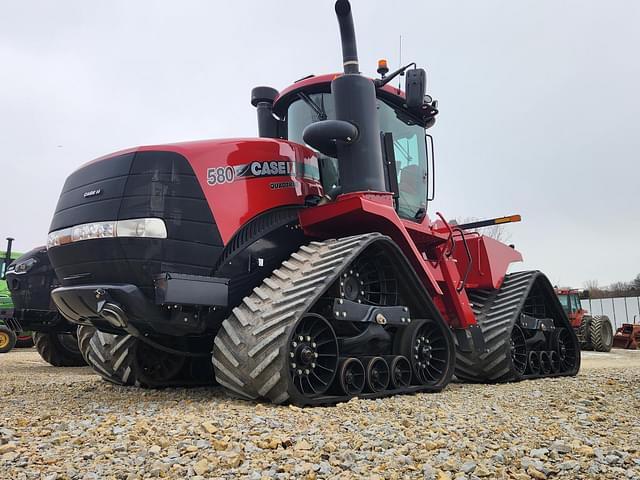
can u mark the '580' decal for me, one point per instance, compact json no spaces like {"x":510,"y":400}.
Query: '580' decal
{"x":220,"y":175}
{"x":275,"y":168}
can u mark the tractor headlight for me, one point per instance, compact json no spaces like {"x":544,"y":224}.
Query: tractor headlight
{"x":141,"y":227}
{"x":22,"y":267}
{"x":135,"y":227}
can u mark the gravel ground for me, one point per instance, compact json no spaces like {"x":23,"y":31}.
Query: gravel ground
{"x":66,"y":423}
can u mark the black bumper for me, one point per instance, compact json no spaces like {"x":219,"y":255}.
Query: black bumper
{"x":184,"y":305}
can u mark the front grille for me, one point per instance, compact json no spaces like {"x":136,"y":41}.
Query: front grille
{"x":147,"y":184}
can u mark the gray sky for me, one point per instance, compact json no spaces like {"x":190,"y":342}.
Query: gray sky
{"x":538,"y":100}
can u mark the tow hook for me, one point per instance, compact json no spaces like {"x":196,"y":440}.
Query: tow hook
{"x":110,"y":311}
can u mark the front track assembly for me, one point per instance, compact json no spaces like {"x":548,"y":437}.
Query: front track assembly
{"x":340,"y":318}
{"x":127,"y":360}
{"x":526,"y":333}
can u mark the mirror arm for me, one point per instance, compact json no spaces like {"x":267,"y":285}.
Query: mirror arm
{"x":381,"y":82}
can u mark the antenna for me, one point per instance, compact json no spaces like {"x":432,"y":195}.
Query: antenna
{"x":400,"y":64}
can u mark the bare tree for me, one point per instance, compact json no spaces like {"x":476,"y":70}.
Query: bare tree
{"x":593,"y":287}
{"x":620,"y":289}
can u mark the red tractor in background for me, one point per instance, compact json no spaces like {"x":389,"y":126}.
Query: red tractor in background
{"x":593,"y":332}
{"x":300,"y":266}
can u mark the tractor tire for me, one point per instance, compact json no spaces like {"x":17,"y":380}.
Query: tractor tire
{"x":59,"y":349}
{"x":7,"y":339}
{"x":584,"y":333}
{"x":601,"y":333}
{"x":109,"y":355}
{"x":24,"y":341}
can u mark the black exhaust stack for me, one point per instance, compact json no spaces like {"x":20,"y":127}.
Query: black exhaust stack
{"x":360,"y":157}
{"x":347,"y":37}
{"x":7,"y":258}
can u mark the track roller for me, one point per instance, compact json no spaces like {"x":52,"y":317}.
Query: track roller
{"x":545,"y":363}
{"x":534,"y":362}
{"x":378,"y":375}
{"x":555,"y":361}
{"x":400,"y":369}
{"x":351,"y":376}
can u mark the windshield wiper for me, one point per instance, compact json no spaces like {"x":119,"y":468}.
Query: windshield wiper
{"x":322,"y":115}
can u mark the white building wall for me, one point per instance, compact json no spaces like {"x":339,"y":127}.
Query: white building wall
{"x":619,"y":310}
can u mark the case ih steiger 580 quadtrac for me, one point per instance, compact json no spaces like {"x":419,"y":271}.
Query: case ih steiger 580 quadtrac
{"x":305,"y":258}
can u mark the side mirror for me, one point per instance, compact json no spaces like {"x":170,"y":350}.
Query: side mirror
{"x":323,"y":135}
{"x":415,"y":87}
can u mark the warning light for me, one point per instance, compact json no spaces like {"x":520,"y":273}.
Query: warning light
{"x":383,"y":69}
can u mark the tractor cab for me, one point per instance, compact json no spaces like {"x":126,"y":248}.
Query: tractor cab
{"x":570,"y":301}
{"x":407,"y":149}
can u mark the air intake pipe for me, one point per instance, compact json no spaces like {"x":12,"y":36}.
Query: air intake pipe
{"x":360,"y":157}
{"x":262,"y":98}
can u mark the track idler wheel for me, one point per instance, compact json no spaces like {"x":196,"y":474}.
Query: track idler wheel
{"x":426,"y":346}
{"x":351,"y":376}
{"x":534,"y":362}
{"x":563,"y":343}
{"x":545,"y":363}
{"x":378,"y":374}
{"x":400,"y":369}
{"x":313,"y":355}
{"x":518,"y":348}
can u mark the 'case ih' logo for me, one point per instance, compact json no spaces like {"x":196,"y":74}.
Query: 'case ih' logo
{"x":92,"y":193}
{"x":271,"y":168}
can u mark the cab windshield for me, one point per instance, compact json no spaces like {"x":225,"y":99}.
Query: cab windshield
{"x":564,"y":301}
{"x":409,"y":147}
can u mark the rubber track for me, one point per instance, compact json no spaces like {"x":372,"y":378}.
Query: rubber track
{"x":111,"y":356}
{"x":248,"y":355}
{"x":496,"y":312}
{"x":53,"y":351}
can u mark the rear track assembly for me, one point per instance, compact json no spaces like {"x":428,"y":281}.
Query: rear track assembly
{"x":526,"y":333}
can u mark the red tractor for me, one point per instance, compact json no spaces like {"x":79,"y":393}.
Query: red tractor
{"x":305,"y":258}
{"x":593,"y":332}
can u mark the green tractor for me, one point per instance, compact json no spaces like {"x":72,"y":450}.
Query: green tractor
{"x":9,"y":338}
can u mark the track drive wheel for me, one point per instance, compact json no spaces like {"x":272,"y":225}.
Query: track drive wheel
{"x":59,"y":349}
{"x":601,"y":333}
{"x":7,"y":339}
{"x":426,"y":344}
{"x":562,"y":342}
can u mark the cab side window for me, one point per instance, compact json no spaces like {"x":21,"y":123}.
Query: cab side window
{"x":409,"y":147}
